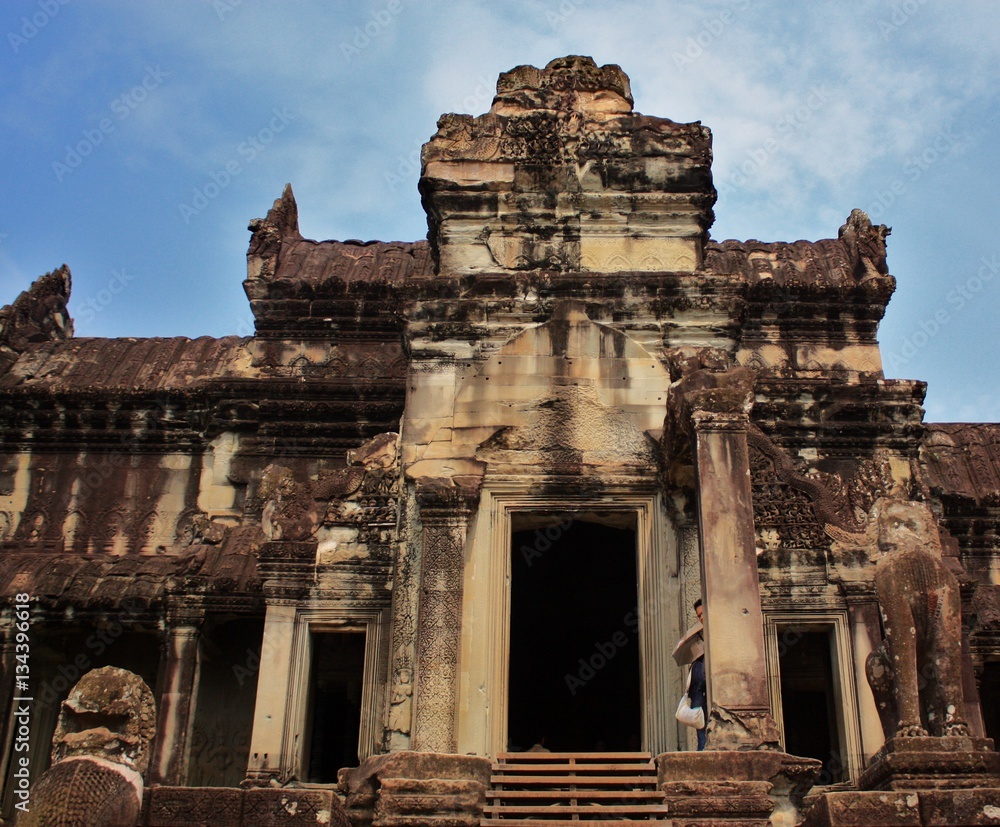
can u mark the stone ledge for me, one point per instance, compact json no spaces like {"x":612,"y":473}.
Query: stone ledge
{"x":232,"y":807}
{"x":905,"y":764}
{"x":926,"y":808}
{"x":415,"y":789}
{"x":750,"y":787}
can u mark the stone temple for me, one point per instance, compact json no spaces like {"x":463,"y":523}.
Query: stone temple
{"x":455,"y":499}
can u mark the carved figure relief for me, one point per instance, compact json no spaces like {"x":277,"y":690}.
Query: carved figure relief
{"x":363,"y":495}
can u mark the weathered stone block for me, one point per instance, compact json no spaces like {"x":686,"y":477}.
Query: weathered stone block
{"x":288,"y":807}
{"x":744,"y":786}
{"x":417,"y":788}
{"x":195,"y":807}
{"x":402,"y":796}
{"x":933,"y":763}
{"x":881,"y":809}
{"x":719,"y":800}
{"x":946,"y":808}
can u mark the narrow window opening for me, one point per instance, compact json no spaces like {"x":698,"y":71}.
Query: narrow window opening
{"x":989,"y":699}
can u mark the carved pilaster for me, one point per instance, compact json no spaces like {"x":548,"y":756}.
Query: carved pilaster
{"x":176,"y":706}
{"x":866,"y":635}
{"x":265,"y":764}
{"x":718,"y":407}
{"x":444,"y":515}
{"x":405,"y":604}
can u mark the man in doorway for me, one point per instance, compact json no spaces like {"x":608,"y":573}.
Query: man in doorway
{"x":699,"y":690}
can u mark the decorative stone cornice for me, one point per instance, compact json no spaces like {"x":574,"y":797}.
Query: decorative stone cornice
{"x":717,"y":392}
{"x":184,"y":612}
{"x":704,"y":421}
{"x":446,"y":490}
{"x":287,"y":569}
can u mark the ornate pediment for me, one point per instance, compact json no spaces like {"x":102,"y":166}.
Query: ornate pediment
{"x":794,"y":506}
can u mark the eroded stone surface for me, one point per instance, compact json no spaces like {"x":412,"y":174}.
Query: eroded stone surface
{"x":99,"y":752}
{"x":568,"y":338}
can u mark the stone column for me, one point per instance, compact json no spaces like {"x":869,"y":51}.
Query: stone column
{"x":175,"y":708}
{"x":273,"y":691}
{"x":719,"y":407}
{"x":866,"y":636}
{"x":287,"y":569}
{"x":444,"y":516}
{"x":970,"y":680}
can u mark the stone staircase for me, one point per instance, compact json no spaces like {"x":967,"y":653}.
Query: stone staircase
{"x":567,"y":788}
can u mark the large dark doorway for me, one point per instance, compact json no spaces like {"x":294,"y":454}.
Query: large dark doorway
{"x":574,"y":635}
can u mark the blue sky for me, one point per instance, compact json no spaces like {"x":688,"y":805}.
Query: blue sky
{"x":138,"y":140}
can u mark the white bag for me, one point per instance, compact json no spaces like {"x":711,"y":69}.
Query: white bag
{"x":694,"y":718}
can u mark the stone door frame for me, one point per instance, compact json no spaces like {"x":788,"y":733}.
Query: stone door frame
{"x":278,"y":743}
{"x":485,"y":654}
{"x":370,"y":622}
{"x":777,"y":625}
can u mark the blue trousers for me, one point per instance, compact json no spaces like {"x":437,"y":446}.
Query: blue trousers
{"x":698,"y":694}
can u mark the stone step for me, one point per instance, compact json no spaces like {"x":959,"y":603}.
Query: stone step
{"x":570,"y":788}
{"x":589,"y":794}
{"x":566,"y":780}
{"x":573,"y":767}
{"x":571,"y":809}
{"x":559,"y":822}
{"x":644,"y":757}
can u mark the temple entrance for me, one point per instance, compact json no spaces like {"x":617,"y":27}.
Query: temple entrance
{"x":335,"y":709}
{"x":809,"y":700}
{"x":574,"y":679}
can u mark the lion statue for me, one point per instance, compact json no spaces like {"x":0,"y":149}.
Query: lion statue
{"x":100,"y":751}
{"x":916,"y":675}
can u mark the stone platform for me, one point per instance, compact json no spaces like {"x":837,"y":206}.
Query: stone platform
{"x":234,"y":807}
{"x":924,"y":808}
{"x":933,"y":763}
{"x":923,"y":782}
{"x":733,"y":788}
